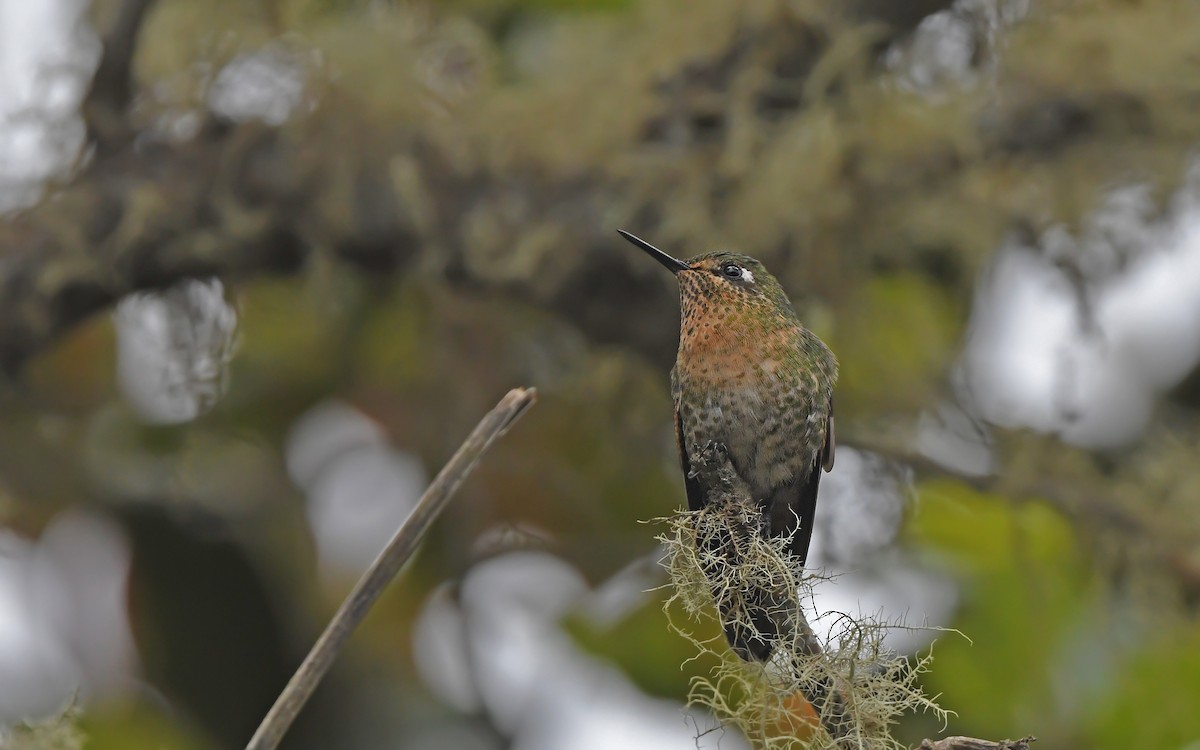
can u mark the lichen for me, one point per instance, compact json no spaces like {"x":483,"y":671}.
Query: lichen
{"x":58,"y":732}
{"x":849,"y":683}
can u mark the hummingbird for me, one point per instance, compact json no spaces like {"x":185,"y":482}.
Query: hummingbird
{"x":752,"y":380}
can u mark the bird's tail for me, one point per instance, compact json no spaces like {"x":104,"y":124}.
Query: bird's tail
{"x":756,"y":624}
{"x":753,"y":613}
{"x":750,"y":621}
{"x":760,"y":616}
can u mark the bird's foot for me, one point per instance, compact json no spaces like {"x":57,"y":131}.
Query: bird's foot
{"x":714,"y":466}
{"x":715,"y":454}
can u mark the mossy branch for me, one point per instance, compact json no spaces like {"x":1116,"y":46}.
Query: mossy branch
{"x":739,"y":519}
{"x":845,"y":692}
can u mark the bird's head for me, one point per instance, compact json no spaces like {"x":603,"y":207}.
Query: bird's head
{"x":721,"y":278}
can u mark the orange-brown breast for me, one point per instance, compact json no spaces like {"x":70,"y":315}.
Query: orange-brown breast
{"x":719,"y":355}
{"x":744,"y":395}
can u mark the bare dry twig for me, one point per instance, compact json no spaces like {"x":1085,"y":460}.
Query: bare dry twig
{"x":970,"y":743}
{"x":386,"y":566}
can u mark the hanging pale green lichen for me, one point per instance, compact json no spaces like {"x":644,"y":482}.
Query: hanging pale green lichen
{"x":846,"y":692}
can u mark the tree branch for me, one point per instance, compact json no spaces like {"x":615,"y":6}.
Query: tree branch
{"x":386,"y":567}
{"x":970,"y":743}
{"x":107,"y":102}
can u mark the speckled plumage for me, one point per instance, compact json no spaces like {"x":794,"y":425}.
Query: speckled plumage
{"x":751,"y":378}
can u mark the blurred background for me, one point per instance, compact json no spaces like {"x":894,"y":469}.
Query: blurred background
{"x":263,"y":264}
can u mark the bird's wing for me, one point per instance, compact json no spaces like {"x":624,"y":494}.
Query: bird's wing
{"x":695,"y":493}
{"x":830,"y":441}
{"x":798,"y":498}
{"x":801,"y":511}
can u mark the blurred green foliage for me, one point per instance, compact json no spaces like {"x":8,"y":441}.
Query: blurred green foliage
{"x":1151,"y":701}
{"x":1025,"y":589}
{"x":54,"y":733}
{"x":131,"y":726}
{"x":901,"y":325}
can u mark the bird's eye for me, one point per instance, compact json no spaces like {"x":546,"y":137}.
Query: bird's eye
{"x":732,"y":271}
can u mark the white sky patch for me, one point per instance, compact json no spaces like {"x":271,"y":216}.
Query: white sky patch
{"x":508,"y":654}
{"x":64,"y":632}
{"x":174,"y":348}
{"x":360,"y":489}
{"x":1035,"y":358}
{"x":47,"y":55}
{"x":859,"y":512}
{"x":439,"y":638}
{"x":949,"y":47}
{"x":35,"y":671}
{"x":267,"y":85}
{"x":953,"y":438}
{"x":907,"y":599}
{"x":1152,"y":314}
{"x":1023,"y":316}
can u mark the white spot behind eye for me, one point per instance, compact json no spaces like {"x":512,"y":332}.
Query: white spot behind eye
{"x":747,"y":275}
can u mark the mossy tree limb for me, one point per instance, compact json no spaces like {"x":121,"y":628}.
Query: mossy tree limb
{"x":852,"y":690}
{"x":855,"y":687}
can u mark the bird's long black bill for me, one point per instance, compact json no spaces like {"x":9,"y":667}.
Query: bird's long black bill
{"x":673,"y":265}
